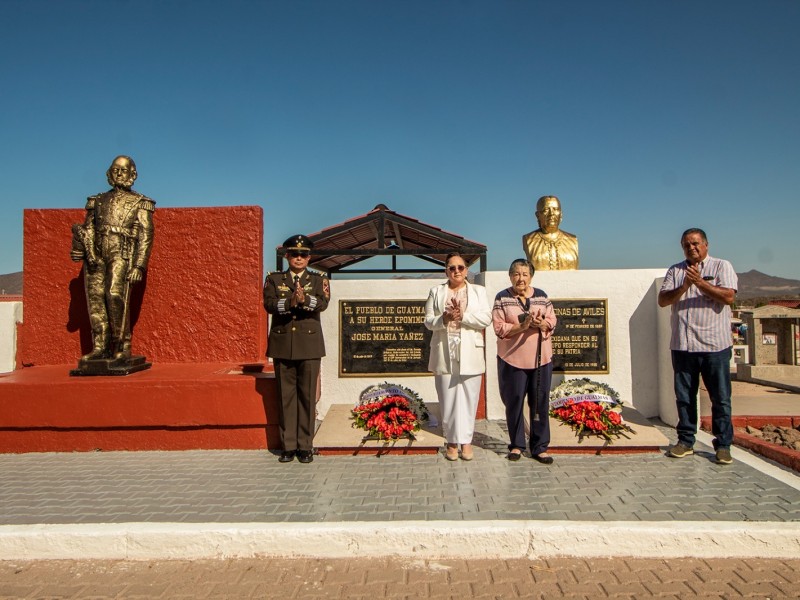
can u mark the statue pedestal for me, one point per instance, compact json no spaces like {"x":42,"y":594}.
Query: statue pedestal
{"x":199,"y":326}
{"x":111,"y":366}
{"x":203,"y":406}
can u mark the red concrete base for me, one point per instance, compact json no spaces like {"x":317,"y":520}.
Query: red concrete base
{"x":780,"y":454}
{"x":168,"y":407}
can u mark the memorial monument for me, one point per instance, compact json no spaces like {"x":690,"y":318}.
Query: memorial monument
{"x":114,"y":244}
{"x":549,"y":248}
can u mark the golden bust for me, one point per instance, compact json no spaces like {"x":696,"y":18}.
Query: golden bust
{"x":549,"y":248}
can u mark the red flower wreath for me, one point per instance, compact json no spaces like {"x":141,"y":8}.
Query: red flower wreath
{"x":591,"y":417}
{"x":389,"y":418}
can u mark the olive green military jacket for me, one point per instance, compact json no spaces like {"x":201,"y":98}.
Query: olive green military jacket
{"x":296,"y":333}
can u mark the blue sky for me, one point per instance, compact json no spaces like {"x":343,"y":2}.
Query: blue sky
{"x":644,"y":117}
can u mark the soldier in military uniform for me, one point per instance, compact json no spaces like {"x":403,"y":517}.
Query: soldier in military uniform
{"x":295,"y":298}
{"x":114,"y":242}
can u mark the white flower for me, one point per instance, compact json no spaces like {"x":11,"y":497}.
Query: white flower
{"x":584,"y":385}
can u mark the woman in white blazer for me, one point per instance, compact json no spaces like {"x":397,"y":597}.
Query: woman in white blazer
{"x":457,"y":312}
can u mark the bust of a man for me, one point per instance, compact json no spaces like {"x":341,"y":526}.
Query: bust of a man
{"x":549,"y":248}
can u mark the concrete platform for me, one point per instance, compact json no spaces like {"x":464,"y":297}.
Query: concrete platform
{"x":645,"y":438}
{"x":337,"y":436}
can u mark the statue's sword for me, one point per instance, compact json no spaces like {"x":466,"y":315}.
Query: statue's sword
{"x":127,"y":296}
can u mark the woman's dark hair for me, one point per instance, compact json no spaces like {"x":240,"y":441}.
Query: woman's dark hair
{"x":453,"y":255}
{"x":521,"y":262}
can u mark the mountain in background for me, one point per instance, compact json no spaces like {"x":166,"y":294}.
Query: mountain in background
{"x":11,"y":284}
{"x":753,"y":286}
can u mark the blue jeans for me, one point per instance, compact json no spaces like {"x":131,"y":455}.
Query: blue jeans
{"x":715,"y":369}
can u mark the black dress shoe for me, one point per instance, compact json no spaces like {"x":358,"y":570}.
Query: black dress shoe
{"x":305,"y":456}
{"x":287,"y":456}
{"x":545,"y":460}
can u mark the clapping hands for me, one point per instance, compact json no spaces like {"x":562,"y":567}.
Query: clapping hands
{"x":298,"y":296}
{"x":453,"y":312}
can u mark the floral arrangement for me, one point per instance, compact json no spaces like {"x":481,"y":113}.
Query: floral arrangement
{"x":389,"y":412}
{"x":589,"y":407}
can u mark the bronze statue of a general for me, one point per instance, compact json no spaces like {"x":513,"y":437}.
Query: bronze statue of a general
{"x":549,"y":248}
{"x":114,"y":244}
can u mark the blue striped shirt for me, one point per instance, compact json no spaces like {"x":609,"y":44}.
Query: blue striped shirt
{"x":700,"y":324}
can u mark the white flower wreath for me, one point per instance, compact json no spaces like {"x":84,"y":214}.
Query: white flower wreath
{"x":583,"y":390}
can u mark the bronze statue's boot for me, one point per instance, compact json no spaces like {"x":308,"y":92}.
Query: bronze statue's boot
{"x":94,"y":354}
{"x":99,"y":343}
{"x":124,"y":352}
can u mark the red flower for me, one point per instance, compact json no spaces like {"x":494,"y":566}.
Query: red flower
{"x":593,"y":417}
{"x":388,"y":418}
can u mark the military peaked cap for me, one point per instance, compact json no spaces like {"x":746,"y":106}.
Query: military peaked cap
{"x":298,"y":242}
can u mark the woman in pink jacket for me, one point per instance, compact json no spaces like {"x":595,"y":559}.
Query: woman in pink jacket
{"x":524,"y":320}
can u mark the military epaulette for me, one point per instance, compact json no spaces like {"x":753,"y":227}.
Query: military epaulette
{"x":146,"y":203}
{"x":90,"y":201}
{"x":315,"y":272}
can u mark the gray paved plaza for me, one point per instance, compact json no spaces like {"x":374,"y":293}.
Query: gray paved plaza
{"x":202,"y":488}
{"x":251,"y":486}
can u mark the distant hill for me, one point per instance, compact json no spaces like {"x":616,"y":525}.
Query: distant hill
{"x":753,"y":286}
{"x":11,"y":284}
{"x":757,"y":285}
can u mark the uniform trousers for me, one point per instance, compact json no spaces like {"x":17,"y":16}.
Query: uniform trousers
{"x":458,"y":401}
{"x":515,"y":385}
{"x":297,"y":388}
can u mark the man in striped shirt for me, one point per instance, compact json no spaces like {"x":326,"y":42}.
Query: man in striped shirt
{"x":701,"y":290}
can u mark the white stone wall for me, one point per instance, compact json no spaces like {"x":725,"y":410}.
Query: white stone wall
{"x":10,"y":315}
{"x":638,"y":335}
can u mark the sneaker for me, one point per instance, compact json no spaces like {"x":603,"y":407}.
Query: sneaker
{"x":679,"y":450}
{"x":724,"y":456}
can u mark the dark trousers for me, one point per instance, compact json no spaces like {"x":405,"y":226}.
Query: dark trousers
{"x":715,"y":369}
{"x":515,"y":385}
{"x":297,"y":388}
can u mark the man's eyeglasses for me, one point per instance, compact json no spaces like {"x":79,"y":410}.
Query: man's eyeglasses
{"x":454,"y":268}
{"x":295,"y":254}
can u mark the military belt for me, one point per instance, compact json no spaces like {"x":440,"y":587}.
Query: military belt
{"x":129,"y":232}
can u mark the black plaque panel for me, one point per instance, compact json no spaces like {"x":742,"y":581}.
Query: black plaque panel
{"x":580,"y":341}
{"x":383,"y":337}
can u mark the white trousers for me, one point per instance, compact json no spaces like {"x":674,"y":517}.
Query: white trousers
{"x":458,"y":401}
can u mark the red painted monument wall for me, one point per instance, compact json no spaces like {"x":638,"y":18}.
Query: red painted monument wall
{"x":200,"y":302}
{"x":198,"y":317}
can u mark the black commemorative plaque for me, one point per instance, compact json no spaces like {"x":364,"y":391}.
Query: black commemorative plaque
{"x":580,"y":340}
{"x":383,"y":337}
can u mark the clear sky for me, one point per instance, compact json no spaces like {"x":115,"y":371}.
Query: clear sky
{"x":644,"y":117}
